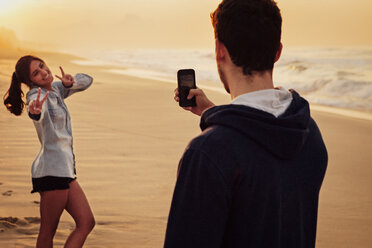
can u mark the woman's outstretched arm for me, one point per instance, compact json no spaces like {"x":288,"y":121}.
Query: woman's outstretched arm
{"x":70,"y":85}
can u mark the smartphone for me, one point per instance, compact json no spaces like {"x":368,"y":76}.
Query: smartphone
{"x":186,"y":81}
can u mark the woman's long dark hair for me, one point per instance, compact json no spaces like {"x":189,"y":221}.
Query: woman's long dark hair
{"x":13,"y":98}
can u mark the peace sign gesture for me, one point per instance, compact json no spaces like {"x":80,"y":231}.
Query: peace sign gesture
{"x":36,"y":105}
{"x":66,"y":79}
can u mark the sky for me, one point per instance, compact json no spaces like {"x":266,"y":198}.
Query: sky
{"x":120,"y":24}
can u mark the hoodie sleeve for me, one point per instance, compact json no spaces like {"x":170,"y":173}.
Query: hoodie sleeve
{"x":82,"y":82}
{"x":199,"y":207}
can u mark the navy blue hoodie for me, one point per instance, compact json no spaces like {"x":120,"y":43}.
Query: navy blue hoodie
{"x":249,"y":180}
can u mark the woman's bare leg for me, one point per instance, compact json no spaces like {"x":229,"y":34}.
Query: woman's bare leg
{"x":52,"y":204}
{"x":78,"y":207}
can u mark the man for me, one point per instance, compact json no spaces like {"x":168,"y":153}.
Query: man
{"x":252,"y":177}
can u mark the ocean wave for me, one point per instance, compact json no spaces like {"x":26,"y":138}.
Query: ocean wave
{"x":329,"y":76}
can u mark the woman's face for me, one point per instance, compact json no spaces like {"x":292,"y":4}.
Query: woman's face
{"x":40,"y":74}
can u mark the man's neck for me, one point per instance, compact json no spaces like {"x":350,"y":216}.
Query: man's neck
{"x":240,"y":84}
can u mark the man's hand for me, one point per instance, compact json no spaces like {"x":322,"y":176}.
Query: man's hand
{"x":66,"y":79}
{"x":202,"y":102}
{"x":36,"y":105}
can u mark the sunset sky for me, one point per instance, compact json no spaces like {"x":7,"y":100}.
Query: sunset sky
{"x":120,"y":24}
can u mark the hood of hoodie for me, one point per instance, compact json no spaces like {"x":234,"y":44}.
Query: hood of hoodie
{"x":283,"y":136}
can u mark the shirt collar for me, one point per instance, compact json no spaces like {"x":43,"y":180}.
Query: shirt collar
{"x":273,"y":101}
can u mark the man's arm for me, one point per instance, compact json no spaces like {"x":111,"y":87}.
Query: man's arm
{"x":202,"y":101}
{"x":200,"y":204}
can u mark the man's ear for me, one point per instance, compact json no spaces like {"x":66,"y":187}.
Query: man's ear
{"x":279,"y":52}
{"x":220,"y":51}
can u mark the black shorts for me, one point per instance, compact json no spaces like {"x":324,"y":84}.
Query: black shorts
{"x":50,"y":183}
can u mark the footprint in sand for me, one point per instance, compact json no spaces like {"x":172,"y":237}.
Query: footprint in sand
{"x":8,"y":222}
{"x":32,"y":226}
{"x":27,"y":225}
{"x":29,"y":231}
{"x":8,"y":193}
{"x":33,"y":220}
{"x":11,"y":222}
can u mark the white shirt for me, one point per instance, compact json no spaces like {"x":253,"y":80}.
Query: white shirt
{"x":56,"y":156}
{"x":273,"y":101}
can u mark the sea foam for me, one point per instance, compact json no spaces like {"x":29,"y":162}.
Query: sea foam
{"x":339,"y":77}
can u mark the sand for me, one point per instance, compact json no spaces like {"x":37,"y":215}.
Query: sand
{"x":129,"y":135}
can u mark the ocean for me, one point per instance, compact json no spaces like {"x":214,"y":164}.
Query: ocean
{"x":337,"y":77}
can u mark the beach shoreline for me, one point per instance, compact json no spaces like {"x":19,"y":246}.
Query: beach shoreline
{"x":213,"y":86}
{"x":127,"y":145}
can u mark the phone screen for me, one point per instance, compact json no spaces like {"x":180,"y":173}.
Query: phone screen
{"x":186,"y":81}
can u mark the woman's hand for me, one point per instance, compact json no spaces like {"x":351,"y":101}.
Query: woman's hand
{"x":35,"y":106}
{"x":66,"y":79}
{"x":202,"y":102}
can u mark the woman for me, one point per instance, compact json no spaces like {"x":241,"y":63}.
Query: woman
{"x":53,"y":171}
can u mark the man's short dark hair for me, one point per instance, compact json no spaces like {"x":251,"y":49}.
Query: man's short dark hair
{"x":250,"y":30}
